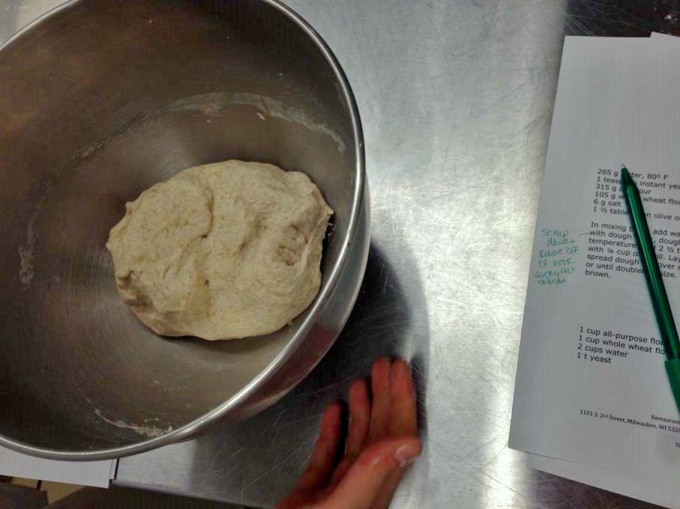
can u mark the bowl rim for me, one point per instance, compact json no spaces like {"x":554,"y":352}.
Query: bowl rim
{"x":324,"y":294}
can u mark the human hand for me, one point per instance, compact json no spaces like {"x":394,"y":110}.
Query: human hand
{"x":382,"y":440}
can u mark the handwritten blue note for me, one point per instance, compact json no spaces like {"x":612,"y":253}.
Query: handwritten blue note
{"x":556,"y":259}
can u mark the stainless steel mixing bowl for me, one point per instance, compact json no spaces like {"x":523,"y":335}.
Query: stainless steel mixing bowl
{"x":100,"y":100}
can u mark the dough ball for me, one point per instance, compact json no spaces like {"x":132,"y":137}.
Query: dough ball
{"x":221,"y":251}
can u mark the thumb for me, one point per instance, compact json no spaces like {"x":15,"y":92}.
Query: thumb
{"x":367,"y":476}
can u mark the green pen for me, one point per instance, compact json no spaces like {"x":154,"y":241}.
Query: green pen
{"x":657,"y":290}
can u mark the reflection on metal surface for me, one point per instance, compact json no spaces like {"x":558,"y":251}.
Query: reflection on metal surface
{"x":456,"y":98}
{"x":15,"y":14}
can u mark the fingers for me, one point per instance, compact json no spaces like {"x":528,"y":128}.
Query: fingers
{"x":360,"y":418}
{"x":380,"y":411}
{"x":392,"y":414}
{"x":368,"y":475}
{"x":321,"y":463}
{"x":297,"y":500}
{"x":357,"y":437}
{"x":325,"y":451}
{"x":364,"y":481}
{"x":382,"y":501}
{"x":403,"y":404}
{"x":403,"y":422}
{"x":339,"y":473}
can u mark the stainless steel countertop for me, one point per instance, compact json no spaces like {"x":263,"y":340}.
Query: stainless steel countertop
{"x":456,"y":98}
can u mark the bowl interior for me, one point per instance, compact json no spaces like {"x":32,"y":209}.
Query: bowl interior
{"x":98,"y":102}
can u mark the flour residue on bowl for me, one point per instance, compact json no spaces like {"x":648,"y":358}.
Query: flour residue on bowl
{"x":26,"y":256}
{"x":146,"y":430}
{"x":211,"y":105}
{"x":26,"y":250}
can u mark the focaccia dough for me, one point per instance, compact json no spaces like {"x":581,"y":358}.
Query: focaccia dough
{"x":221,"y":251}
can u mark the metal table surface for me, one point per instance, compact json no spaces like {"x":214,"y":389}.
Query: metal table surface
{"x":456,"y":99}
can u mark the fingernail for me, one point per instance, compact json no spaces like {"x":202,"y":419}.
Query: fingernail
{"x":406,"y":454}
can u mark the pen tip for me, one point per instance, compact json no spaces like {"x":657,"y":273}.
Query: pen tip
{"x":626,"y":179}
